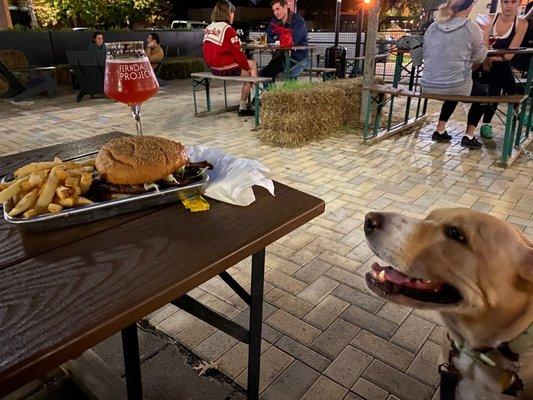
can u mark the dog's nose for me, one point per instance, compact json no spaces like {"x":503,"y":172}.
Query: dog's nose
{"x":373,"y":222}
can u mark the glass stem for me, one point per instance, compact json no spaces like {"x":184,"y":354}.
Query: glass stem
{"x":136,"y":110}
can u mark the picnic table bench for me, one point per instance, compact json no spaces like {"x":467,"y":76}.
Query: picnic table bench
{"x":512,"y":145}
{"x":202,"y":81}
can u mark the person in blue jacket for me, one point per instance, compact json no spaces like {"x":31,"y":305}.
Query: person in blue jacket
{"x":285,"y":17}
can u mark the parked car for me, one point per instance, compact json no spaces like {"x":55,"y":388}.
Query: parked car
{"x":188,"y":25}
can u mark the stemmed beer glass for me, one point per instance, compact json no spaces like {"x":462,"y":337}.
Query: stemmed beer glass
{"x":129,"y":77}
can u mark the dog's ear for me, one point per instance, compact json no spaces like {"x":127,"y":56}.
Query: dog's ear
{"x":525,"y":269}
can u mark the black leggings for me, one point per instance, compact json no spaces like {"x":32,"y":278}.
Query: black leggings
{"x":501,"y":81}
{"x":476,"y":109}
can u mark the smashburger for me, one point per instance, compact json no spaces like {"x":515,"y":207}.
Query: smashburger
{"x":130,"y":164}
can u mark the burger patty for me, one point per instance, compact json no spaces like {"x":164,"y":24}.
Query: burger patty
{"x":102,"y":190}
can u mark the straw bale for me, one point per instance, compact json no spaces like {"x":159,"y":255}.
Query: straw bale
{"x":351,"y":109}
{"x":293,"y":117}
{"x":14,"y":59}
{"x":4,"y":86}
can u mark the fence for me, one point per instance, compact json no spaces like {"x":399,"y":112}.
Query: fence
{"x":48,"y":48}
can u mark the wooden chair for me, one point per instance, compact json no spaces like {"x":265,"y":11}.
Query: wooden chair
{"x":25,"y":83}
{"x":89,"y":68}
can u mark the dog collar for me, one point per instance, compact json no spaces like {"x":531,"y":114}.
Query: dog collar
{"x":509,"y":350}
{"x":509,"y":380}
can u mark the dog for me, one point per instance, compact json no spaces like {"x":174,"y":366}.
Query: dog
{"x":477,"y":272}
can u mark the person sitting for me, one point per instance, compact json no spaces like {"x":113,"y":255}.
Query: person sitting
{"x":453,"y":47}
{"x":98,"y":42}
{"x":285,"y":17}
{"x":222,"y":51}
{"x":154,"y":51}
{"x":508,"y":31}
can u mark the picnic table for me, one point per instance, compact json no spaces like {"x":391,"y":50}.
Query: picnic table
{"x":64,"y":291}
{"x":525,"y":114}
{"x":286,"y":56}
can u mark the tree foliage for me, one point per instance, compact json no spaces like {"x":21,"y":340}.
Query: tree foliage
{"x":101,"y":13}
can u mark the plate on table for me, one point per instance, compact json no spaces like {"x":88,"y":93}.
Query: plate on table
{"x":187,"y":182}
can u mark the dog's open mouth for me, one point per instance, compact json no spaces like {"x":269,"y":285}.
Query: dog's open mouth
{"x":389,"y":281}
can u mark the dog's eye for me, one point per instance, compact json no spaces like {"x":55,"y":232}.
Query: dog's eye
{"x":455,"y":234}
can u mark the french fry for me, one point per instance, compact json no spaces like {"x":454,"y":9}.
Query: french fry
{"x":82,"y":201}
{"x":48,"y":190}
{"x":4,"y":186}
{"x":72,"y":181}
{"x":87,"y":168}
{"x":26,"y":187}
{"x":25,"y":203}
{"x":68,"y":202}
{"x":77,"y":190}
{"x":85,"y":182}
{"x":55,"y":208}
{"x":36,"y":178}
{"x":11,"y":190}
{"x":89,"y":162}
{"x":61,"y":174}
{"x":63,"y":192}
{"x":30,"y":213}
{"x":33,"y":167}
{"x":15,"y":199}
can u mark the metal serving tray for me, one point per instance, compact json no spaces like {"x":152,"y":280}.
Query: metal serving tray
{"x":106,"y":209}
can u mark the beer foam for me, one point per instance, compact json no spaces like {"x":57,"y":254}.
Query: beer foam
{"x":128,"y":60}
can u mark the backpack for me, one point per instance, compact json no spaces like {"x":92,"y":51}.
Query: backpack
{"x":414,"y":44}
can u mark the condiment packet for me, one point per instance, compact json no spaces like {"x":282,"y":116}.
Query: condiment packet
{"x":197,"y":203}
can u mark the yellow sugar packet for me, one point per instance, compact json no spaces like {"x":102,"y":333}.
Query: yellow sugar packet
{"x":195,"y":204}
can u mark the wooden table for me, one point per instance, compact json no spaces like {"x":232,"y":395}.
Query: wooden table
{"x":64,"y":291}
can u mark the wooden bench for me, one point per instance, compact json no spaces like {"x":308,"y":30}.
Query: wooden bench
{"x":513,"y":144}
{"x":324,"y":72}
{"x":202,"y":80}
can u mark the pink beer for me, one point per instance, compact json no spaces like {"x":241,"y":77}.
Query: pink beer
{"x":130,"y":81}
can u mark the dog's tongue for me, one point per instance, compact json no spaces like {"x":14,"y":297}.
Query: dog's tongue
{"x":399,"y":278}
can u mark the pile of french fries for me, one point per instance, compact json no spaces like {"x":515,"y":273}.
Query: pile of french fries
{"x":48,"y":187}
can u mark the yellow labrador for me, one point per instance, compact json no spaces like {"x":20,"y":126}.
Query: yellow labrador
{"x":477,"y":271}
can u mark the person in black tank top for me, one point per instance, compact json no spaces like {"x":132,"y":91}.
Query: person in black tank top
{"x":500,"y":77}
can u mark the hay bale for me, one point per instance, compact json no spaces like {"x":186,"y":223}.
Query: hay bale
{"x":14,"y":59}
{"x":293,"y":114}
{"x":62,"y":74}
{"x":4,"y":86}
{"x":351,"y":109}
{"x":181,"y":67}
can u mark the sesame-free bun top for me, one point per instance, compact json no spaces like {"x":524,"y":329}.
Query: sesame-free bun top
{"x":135,"y":160}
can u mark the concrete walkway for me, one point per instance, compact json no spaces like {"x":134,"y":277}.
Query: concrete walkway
{"x":325,"y":335}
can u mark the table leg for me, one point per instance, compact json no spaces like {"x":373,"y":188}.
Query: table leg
{"x":396,"y":80}
{"x":287,"y":66}
{"x":132,"y":363}
{"x":256,"y":321}
{"x":257,"y":106}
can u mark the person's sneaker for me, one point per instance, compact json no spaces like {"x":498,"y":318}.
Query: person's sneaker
{"x":246,"y":113}
{"x":441,"y":137}
{"x":486,"y":131}
{"x":471,"y":143}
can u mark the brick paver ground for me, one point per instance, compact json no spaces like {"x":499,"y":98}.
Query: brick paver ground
{"x":325,"y":335}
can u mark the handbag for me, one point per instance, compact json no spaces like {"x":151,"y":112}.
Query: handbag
{"x":285,"y":35}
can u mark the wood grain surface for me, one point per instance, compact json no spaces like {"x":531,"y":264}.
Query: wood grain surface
{"x":62,"y":292}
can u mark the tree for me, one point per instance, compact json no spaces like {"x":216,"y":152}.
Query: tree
{"x":101,"y":13}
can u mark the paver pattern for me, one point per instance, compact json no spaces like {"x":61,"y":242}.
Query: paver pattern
{"x":325,"y":335}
